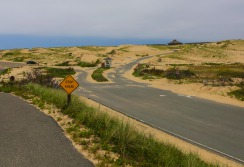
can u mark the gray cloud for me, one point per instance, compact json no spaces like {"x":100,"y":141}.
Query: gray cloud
{"x":184,"y":19}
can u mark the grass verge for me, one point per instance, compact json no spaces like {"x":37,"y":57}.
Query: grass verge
{"x":195,"y":73}
{"x":133,"y":147}
{"x":97,"y":75}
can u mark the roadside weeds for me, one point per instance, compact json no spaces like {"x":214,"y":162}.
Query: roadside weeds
{"x":109,"y":141}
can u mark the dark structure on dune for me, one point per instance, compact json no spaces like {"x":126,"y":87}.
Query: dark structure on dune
{"x":175,"y":42}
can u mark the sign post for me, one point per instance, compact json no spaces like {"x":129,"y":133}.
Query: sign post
{"x":68,"y":99}
{"x":69,"y":84}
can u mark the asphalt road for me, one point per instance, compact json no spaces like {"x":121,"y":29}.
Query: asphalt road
{"x":28,"y":137}
{"x":11,"y":64}
{"x":214,"y":125}
{"x":4,"y":65}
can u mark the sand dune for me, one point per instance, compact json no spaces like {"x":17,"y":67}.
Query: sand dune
{"x":225,"y":52}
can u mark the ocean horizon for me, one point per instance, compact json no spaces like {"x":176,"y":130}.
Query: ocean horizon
{"x":27,"y":41}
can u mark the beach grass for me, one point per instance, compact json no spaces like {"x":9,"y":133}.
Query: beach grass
{"x":134,"y":147}
{"x":88,"y":64}
{"x":59,"y":72}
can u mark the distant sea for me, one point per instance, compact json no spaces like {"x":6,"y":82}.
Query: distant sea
{"x":24,"y":41}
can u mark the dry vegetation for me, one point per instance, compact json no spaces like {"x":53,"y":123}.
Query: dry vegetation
{"x":211,"y":68}
{"x":74,"y":55}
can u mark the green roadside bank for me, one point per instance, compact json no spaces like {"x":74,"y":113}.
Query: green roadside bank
{"x":133,"y":147}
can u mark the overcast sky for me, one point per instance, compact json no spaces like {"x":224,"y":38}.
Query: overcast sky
{"x":189,"y":20}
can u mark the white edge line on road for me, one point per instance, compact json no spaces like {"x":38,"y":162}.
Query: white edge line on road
{"x":194,"y":142}
{"x":181,"y":137}
{"x":188,"y":96}
{"x":198,"y":144}
{"x":92,"y":95}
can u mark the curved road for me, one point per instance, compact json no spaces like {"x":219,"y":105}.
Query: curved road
{"x":219,"y":127}
{"x":28,"y":137}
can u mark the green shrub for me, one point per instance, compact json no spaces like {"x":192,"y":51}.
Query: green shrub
{"x":65,"y":63}
{"x":12,"y":53}
{"x":230,"y":72}
{"x":174,"y":73}
{"x":98,"y":75}
{"x":88,"y":64}
{"x":58,"y":72}
{"x":112,"y":52}
{"x":145,"y":72}
{"x":18,"y":59}
{"x":239,"y":94}
{"x":5,"y":71}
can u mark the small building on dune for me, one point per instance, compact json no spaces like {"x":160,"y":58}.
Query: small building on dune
{"x":107,"y":62}
{"x":175,"y":42}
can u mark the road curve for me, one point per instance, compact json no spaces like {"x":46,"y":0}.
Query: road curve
{"x":28,"y":137}
{"x":214,"y":125}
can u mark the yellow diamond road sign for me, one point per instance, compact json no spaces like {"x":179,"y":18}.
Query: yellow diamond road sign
{"x":69,"y":84}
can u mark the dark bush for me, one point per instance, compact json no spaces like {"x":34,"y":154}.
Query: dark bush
{"x":112,"y":52}
{"x":38,"y":76}
{"x":239,"y":94}
{"x":153,"y":71}
{"x":89,"y":64}
{"x":174,"y":73}
{"x":66,"y":63}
